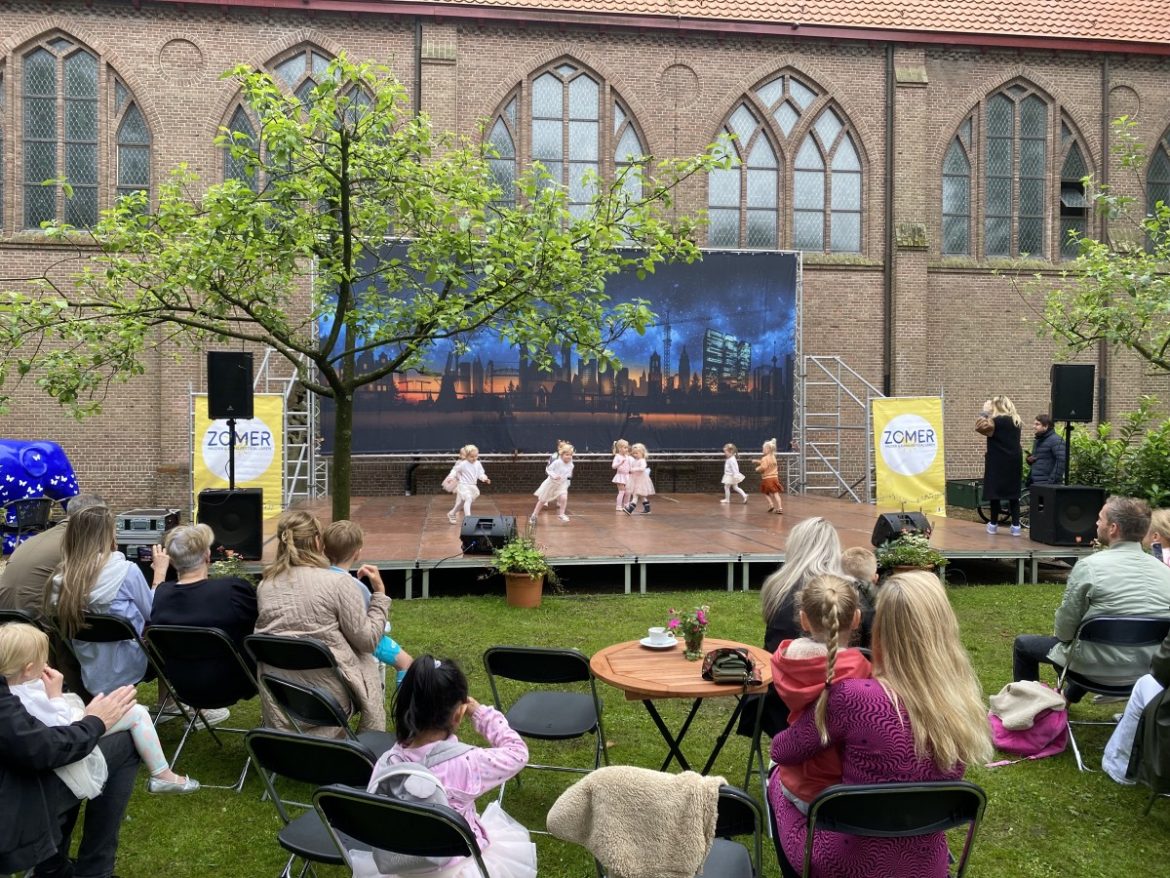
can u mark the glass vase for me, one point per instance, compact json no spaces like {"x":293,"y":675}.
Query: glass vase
{"x":693,"y":640}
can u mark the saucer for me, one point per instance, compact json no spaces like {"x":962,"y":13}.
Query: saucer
{"x":650,"y":644}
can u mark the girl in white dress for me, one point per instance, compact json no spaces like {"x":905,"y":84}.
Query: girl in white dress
{"x":466,"y":473}
{"x":621,"y":468}
{"x":556,"y":486}
{"x":731,"y":475}
{"x":639,"y":484}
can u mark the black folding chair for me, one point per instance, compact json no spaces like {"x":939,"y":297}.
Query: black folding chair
{"x":897,"y":810}
{"x":296,"y":654}
{"x":20,"y":519}
{"x":550,"y":716}
{"x":1127,"y":632}
{"x":185,"y":653}
{"x":21,"y":616}
{"x":386,"y":824}
{"x":310,"y":760}
{"x":309,"y":707}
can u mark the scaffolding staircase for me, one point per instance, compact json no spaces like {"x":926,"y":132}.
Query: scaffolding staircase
{"x":835,"y":430}
{"x":306,"y":473}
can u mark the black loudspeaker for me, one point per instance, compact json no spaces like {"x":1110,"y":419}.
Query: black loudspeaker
{"x":1072,"y":393}
{"x":892,"y":524}
{"x":237,"y":517}
{"x":229,"y":384}
{"x":480,"y":535}
{"x":1064,"y":515}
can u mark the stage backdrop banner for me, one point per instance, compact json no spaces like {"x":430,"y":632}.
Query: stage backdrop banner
{"x":908,"y":450}
{"x":259,"y":451}
{"x":717,"y":366}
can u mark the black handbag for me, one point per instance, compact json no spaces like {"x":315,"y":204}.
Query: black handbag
{"x":732,"y":666}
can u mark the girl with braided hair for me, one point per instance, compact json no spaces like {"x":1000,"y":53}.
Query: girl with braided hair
{"x":300,"y":596}
{"x":803,"y":670}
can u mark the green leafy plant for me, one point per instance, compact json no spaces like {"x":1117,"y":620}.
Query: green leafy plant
{"x":231,"y":564}
{"x":909,"y":550}
{"x":521,"y":554}
{"x":1133,"y":460}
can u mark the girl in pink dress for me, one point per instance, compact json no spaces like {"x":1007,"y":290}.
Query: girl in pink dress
{"x":431,"y":702}
{"x":639,"y":484}
{"x":621,"y":469}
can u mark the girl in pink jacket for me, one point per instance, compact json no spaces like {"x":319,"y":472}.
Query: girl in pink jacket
{"x":431,"y":702}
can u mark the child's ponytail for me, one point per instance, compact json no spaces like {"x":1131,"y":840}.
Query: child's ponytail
{"x":427,"y":697}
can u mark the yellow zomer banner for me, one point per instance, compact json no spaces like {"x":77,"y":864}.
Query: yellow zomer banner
{"x":259,"y":451}
{"x":908,"y":454}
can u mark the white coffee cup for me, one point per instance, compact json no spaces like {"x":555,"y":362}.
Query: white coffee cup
{"x":659,"y":635}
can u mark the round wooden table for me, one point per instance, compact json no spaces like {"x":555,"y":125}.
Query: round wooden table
{"x":645,"y":674}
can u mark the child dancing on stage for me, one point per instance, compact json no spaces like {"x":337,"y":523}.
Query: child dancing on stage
{"x":769,"y":471}
{"x":466,"y":473}
{"x":639,"y":484}
{"x":731,"y":475}
{"x":621,"y":468}
{"x":556,"y":486}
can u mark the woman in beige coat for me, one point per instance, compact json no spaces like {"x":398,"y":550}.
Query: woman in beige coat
{"x":299,"y":596}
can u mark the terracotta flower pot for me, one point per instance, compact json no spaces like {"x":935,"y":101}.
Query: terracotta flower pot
{"x":522,"y":590}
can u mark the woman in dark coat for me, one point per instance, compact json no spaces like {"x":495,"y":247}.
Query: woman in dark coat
{"x":1003,"y":464}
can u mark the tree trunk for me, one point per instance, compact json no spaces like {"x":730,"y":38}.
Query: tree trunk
{"x":342,"y":474}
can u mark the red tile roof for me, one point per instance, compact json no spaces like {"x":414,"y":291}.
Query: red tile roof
{"x":1142,"y":21}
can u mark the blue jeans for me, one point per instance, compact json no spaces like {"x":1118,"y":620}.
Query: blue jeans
{"x":103,"y":817}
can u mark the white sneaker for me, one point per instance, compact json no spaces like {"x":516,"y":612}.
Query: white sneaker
{"x":992,"y":528}
{"x":563,"y":517}
{"x":532,"y":519}
{"x":724,"y":501}
{"x":1017,"y":530}
{"x":213,"y":716}
{"x":451,"y":517}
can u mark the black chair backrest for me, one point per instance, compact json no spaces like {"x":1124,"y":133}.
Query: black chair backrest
{"x":1124,"y":630}
{"x":897,"y":810}
{"x":29,"y":514}
{"x":22,"y":616}
{"x":306,"y":705}
{"x":532,"y":664}
{"x":738,"y":814}
{"x":289,"y":653}
{"x":104,"y":628}
{"x":309,"y":759}
{"x":182,"y":649}
{"x":388,"y":824}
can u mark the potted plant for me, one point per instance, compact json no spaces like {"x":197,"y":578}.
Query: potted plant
{"x":910,"y":551}
{"x":525,"y":568}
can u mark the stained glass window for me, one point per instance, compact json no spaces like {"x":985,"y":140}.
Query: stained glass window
{"x":1017,"y":161}
{"x":1074,"y":203}
{"x":956,"y":194}
{"x":503,"y":140}
{"x":1158,"y":175}
{"x":241,"y":130}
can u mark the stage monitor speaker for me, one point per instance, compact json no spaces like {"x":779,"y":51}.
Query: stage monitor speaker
{"x":1064,"y":515}
{"x":1072,"y":392}
{"x":237,"y":517}
{"x":479,"y":535}
{"x":891,"y":524}
{"x":229,"y":385}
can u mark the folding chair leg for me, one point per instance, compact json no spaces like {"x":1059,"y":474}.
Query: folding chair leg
{"x":1072,"y":739}
{"x":183,"y":741}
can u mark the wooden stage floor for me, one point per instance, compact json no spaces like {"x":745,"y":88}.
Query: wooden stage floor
{"x":412,"y":534}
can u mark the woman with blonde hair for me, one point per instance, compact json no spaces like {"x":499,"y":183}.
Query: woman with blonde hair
{"x":813,"y":549}
{"x":1003,"y":463}
{"x":94,"y":577}
{"x":299,"y":596}
{"x":921,"y":717}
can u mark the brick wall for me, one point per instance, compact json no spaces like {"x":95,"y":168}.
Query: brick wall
{"x":959,"y":330}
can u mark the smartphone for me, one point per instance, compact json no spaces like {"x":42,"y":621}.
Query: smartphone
{"x":1156,"y":548}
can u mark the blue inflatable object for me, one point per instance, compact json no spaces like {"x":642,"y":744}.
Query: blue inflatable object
{"x":31,"y":469}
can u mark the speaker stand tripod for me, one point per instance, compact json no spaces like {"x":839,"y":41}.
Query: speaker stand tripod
{"x":231,"y":422}
{"x":1068,"y":428}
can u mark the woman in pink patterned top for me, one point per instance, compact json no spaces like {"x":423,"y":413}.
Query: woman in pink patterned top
{"x":921,"y":717}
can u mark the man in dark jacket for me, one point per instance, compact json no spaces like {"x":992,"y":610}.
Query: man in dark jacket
{"x":1048,"y":454}
{"x":37,"y":811}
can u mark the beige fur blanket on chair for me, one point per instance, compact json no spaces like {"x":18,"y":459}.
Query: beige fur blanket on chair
{"x":640,"y":823}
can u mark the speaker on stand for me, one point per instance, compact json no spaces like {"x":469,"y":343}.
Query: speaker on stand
{"x":1071,"y":400}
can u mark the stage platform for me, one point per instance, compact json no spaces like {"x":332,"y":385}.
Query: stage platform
{"x":412,"y":534}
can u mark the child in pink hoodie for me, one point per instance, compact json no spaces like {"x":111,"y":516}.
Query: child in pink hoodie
{"x":803,"y":669}
{"x":431,"y":701}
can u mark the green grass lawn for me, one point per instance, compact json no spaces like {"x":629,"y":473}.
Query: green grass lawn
{"x":1043,"y":818}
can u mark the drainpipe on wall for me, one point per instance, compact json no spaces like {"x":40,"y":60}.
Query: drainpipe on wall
{"x":888,"y":221}
{"x":1102,"y":347}
{"x":418,"y":48}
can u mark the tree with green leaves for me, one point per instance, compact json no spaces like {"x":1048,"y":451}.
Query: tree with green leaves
{"x":1118,"y":290}
{"x":288,"y":255}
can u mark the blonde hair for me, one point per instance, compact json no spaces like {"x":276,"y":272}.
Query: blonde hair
{"x":621,"y":443}
{"x":770,"y":446}
{"x":920,"y":662}
{"x":641,"y":449}
{"x":188,"y":544}
{"x":466,"y":451}
{"x":563,"y":446}
{"x":731,"y":448}
{"x":1003,"y":406}
{"x":830,"y":603}
{"x":20,"y":646}
{"x":463,"y":453}
{"x":859,"y":563}
{"x":86,"y":546}
{"x":298,"y":543}
{"x":1160,"y":522}
{"x":342,"y":540}
{"x":813,"y":548}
